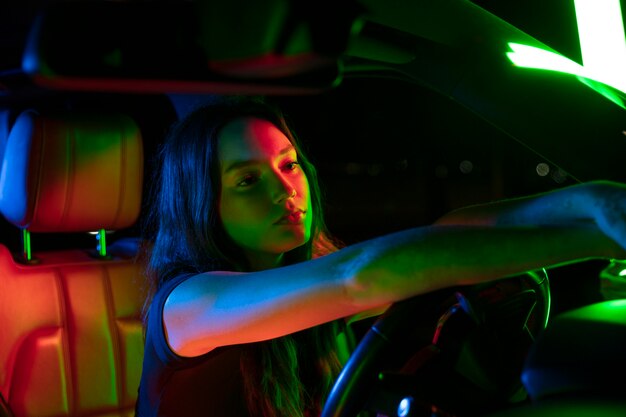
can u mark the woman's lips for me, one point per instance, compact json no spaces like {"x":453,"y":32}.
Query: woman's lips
{"x":296,"y":217}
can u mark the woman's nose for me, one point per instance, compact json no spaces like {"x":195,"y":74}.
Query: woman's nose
{"x":284,"y":189}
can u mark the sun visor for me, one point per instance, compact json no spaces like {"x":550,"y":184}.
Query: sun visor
{"x":225,"y":47}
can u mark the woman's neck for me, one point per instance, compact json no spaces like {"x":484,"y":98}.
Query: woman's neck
{"x":260,"y":262}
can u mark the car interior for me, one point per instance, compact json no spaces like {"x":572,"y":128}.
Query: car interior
{"x":408,"y":109}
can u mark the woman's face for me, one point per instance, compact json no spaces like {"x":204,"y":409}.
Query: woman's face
{"x":264,"y":201}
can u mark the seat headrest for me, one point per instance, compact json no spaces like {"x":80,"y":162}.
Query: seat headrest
{"x":72,"y":172}
{"x":5,"y":123}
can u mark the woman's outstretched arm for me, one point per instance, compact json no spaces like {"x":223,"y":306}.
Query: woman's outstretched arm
{"x":475,"y":245}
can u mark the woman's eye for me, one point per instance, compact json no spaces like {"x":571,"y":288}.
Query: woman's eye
{"x":247,"y":181}
{"x":290,"y":166}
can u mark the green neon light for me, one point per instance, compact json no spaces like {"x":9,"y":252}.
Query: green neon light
{"x":603,"y":48}
{"x":602,"y":42}
{"x":622,"y":273}
{"x":532,"y":57}
{"x":605,"y":90}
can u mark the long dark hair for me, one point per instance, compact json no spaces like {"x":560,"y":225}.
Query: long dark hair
{"x":289,"y":376}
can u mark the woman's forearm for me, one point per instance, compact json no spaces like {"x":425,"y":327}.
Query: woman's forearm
{"x":417,"y":261}
{"x":578,"y":204}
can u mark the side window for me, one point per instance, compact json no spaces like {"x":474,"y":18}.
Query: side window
{"x":391,"y":155}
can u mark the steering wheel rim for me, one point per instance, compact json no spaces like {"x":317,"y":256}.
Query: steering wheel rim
{"x":348,"y":394}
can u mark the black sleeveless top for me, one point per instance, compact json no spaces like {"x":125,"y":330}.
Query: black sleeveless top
{"x":171,"y":385}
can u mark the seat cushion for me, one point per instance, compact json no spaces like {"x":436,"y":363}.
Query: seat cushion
{"x":71,"y":340}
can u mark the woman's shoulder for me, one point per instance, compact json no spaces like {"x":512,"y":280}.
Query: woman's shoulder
{"x":168,"y":285}
{"x":193,"y":284}
{"x":174,"y":280}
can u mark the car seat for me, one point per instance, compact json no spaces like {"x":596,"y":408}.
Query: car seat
{"x":70,"y":329}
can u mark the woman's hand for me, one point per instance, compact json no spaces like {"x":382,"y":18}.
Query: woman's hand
{"x":597,"y":203}
{"x":608,"y":209}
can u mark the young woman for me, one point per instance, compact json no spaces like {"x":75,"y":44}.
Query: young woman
{"x":249,"y":291}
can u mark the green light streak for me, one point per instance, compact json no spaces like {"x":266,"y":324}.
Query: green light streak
{"x":603,"y":48}
{"x":532,"y":57}
{"x":601,"y":34}
{"x":622,"y":273}
{"x":605,"y":90}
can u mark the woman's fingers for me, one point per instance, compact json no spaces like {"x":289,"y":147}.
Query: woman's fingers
{"x":610,"y":210}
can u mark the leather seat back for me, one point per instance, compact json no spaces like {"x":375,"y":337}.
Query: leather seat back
{"x":70,"y":329}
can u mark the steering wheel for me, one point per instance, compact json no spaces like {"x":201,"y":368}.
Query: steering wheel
{"x":414,"y":332}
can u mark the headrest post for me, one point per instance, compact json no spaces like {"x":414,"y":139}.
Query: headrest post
{"x":26,"y":257}
{"x":102,"y":245}
{"x":26,"y":252}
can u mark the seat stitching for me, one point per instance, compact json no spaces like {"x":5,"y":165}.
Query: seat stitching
{"x":42,"y":148}
{"x":67,"y":354}
{"x":123,"y":161}
{"x":113,"y":331}
{"x":70,"y":153}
